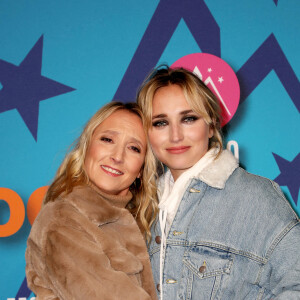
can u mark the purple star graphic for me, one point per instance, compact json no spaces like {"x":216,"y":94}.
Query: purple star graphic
{"x":23,"y":87}
{"x":290,"y":174}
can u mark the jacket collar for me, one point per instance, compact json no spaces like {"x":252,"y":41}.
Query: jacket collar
{"x":215,"y":173}
{"x":218,"y":171}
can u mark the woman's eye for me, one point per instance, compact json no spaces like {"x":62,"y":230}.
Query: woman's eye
{"x":159,"y":123}
{"x":135,"y":149}
{"x":106,"y":139}
{"x":190,"y":119}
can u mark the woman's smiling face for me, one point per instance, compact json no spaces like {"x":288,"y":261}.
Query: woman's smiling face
{"x":116,"y":152}
{"x":179,"y":137}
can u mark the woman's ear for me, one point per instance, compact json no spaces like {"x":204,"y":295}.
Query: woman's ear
{"x":210,"y":133}
{"x":212,"y":126}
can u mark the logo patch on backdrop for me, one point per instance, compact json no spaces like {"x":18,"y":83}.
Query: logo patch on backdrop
{"x":219,"y":78}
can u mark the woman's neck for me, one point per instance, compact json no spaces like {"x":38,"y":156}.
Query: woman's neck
{"x":116,"y":200}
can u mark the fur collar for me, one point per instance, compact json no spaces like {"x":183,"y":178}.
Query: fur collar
{"x":217,"y":173}
{"x":99,"y":207}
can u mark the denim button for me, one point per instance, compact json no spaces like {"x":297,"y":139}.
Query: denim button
{"x":171,"y":281}
{"x":158,"y":239}
{"x":192,"y":190}
{"x":158,"y":287}
{"x":177,"y":232}
{"x":202,"y":269}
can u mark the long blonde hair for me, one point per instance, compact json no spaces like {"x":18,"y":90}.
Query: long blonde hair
{"x":198,"y":95}
{"x":71,"y":172}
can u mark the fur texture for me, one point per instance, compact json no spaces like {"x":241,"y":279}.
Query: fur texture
{"x":86,"y":245}
{"x":217,"y":173}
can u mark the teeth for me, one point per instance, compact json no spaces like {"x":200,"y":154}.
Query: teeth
{"x":111,"y":170}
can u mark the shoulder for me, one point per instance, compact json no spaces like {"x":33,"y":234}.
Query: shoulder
{"x":82,"y":206}
{"x":60,"y":213}
{"x":52,"y":216}
{"x":259,"y":210}
{"x":261,"y":193}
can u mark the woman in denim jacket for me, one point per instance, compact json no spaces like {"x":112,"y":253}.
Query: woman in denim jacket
{"x":222,"y":232}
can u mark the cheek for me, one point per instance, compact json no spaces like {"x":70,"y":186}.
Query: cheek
{"x":135,"y":165}
{"x":91,"y":157}
{"x":200,"y":134}
{"x":90,"y":154}
{"x":199,"y":137}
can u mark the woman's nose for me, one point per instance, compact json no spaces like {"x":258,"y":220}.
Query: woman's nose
{"x":118,"y":154}
{"x":176,"y":134}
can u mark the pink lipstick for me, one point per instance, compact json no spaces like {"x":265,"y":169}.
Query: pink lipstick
{"x":178,"y":150}
{"x":111,"y":171}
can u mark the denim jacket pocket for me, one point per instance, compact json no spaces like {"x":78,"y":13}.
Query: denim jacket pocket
{"x":205,"y":273}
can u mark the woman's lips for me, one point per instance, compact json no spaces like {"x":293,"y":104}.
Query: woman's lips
{"x":178,"y":150}
{"x":111,"y":171}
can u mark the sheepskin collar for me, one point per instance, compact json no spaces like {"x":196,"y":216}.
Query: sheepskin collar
{"x":219,"y":170}
{"x":99,"y":207}
{"x":214,"y":173}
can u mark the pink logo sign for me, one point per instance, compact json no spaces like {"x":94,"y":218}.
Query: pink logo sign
{"x":218,"y":76}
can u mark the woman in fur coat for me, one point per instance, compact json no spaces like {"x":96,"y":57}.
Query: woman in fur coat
{"x":85,"y":243}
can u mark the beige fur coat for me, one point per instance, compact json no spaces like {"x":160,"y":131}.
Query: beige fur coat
{"x":87,"y":246}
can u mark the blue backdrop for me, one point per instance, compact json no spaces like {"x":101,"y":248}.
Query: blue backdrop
{"x":60,"y":60}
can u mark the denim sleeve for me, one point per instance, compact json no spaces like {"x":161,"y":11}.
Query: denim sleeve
{"x":283,"y":268}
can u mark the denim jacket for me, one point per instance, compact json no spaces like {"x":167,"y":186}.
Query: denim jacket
{"x":234,"y":236}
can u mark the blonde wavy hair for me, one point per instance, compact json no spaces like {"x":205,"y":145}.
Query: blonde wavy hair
{"x":71,"y":172}
{"x":200,"y":98}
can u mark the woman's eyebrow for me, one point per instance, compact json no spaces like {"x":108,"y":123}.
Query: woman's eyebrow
{"x":184,"y":112}
{"x":159,"y":116}
{"x":132,"y":139}
{"x":110,"y":132}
